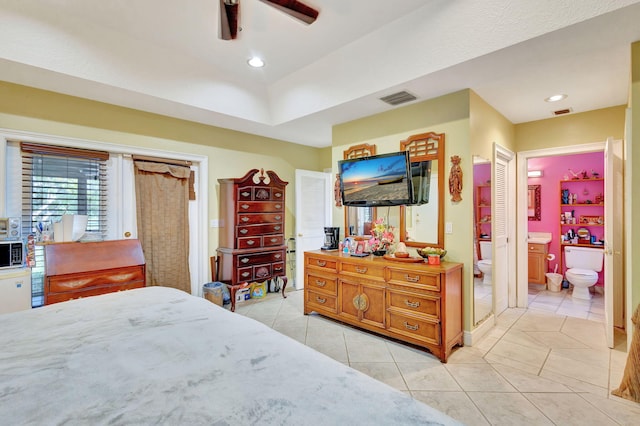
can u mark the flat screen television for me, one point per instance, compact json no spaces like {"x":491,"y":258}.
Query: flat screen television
{"x":379,"y":180}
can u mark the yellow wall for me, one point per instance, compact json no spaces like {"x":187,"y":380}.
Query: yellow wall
{"x":230,"y":153}
{"x":572,"y":129}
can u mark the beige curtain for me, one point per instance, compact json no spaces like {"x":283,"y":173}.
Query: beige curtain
{"x":162,"y":194}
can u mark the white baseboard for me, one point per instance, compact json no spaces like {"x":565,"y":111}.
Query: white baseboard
{"x":474,"y":336}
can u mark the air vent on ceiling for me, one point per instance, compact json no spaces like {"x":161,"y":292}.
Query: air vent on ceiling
{"x":398,"y":98}
{"x":562,"y":111}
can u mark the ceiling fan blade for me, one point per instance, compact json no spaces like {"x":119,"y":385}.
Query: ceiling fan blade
{"x":298,"y":10}
{"x":229,"y":19}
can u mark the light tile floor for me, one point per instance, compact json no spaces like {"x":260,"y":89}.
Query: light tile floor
{"x":563,"y":304}
{"x":536,"y":366}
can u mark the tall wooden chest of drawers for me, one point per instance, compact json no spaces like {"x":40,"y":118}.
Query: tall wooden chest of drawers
{"x":414,"y":302}
{"x":252,"y":245}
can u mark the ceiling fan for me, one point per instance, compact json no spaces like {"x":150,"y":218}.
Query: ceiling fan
{"x":229,"y":14}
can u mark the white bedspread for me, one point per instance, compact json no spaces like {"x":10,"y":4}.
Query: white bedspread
{"x":159,"y":356}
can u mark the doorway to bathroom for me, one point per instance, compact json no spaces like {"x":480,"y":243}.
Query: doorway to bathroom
{"x":568,"y":190}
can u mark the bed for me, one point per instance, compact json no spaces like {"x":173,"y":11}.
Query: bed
{"x":160,"y":356}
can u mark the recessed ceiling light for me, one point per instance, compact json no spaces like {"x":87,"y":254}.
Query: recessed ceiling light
{"x":556,"y":98}
{"x":256,"y":62}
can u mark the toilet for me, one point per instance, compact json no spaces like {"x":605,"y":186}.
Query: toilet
{"x":485,"y":264}
{"x":583,"y":265}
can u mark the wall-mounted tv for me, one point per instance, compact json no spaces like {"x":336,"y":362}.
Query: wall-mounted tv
{"x":379,"y":180}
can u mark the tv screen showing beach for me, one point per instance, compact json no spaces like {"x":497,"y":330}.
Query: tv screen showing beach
{"x":376,"y":180}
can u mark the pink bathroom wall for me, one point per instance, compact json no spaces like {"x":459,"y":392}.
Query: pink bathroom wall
{"x":554,"y":170}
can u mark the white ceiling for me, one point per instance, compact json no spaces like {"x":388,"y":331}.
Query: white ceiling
{"x":164,"y":56}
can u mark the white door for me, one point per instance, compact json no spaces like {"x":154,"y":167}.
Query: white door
{"x":502,"y":210}
{"x":313,"y":213}
{"x":613,"y":222}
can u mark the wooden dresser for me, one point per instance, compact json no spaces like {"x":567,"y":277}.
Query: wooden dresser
{"x":74,"y":270}
{"x":252,"y":246}
{"x":413,"y":302}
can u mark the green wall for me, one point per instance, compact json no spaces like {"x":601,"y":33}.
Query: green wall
{"x":632,"y":169}
{"x":230,"y":153}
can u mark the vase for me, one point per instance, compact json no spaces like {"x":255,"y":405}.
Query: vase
{"x":379,"y":252}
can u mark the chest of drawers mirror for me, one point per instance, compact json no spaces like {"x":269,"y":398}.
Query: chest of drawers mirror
{"x":252,"y":246}
{"x":413,"y":302}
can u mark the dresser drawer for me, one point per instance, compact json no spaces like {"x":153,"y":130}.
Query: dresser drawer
{"x":79,"y":281}
{"x":320,"y":283}
{"x":321,"y":302}
{"x":250,"y":242}
{"x":369,"y":270}
{"x":254,"y":273}
{"x":245,"y":193}
{"x":423,"y":280}
{"x":277,"y":268}
{"x":272,"y":240}
{"x":321,"y":263}
{"x":410,"y":326}
{"x":252,"y":230}
{"x":260,"y":218}
{"x":254,"y":259}
{"x":412,"y":302}
{"x":260,"y":206}
{"x":91,"y":291}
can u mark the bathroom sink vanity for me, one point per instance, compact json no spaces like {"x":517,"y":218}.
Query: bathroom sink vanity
{"x":538,"y":264}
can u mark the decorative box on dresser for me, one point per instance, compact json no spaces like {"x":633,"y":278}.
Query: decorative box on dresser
{"x":252,"y":247}
{"x":413,"y":302}
{"x":74,"y":270}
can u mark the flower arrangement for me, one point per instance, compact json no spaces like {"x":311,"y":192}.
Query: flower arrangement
{"x":382,"y":236}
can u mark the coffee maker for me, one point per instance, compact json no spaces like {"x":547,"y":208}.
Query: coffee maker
{"x":331,"y":235}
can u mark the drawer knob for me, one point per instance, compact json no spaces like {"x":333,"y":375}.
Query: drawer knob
{"x":361,"y":270}
{"x":412,"y":279}
{"x":321,"y":283}
{"x":278,"y":217}
{"x":411,"y":327}
{"x":245,"y":219}
{"x":278,"y":206}
{"x":244,"y":206}
{"x":244,"y":231}
{"x":245,"y":274}
{"x":273,"y":240}
{"x":250,"y":242}
{"x":321,"y":300}
{"x":245,"y":260}
{"x":278,"y":256}
{"x":277,"y":268}
{"x":277,"y":228}
{"x":412,"y":304}
{"x":278,"y":194}
{"x":245,"y":194}
{"x":321,"y":263}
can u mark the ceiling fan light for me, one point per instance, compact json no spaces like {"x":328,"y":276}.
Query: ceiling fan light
{"x":256,"y":62}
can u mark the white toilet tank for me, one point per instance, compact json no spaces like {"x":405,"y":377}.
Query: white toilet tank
{"x":485,"y":250}
{"x":583,"y":258}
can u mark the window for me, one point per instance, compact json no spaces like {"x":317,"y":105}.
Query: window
{"x":58,"y":181}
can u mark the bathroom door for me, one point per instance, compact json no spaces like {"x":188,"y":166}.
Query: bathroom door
{"x":613,"y":214}
{"x":313,"y":213}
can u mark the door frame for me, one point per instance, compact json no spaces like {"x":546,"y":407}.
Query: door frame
{"x":522,"y":220}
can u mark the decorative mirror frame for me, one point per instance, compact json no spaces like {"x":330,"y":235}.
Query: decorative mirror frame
{"x":426,"y":147}
{"x":534,"y":197}
{"x":357,"y":151}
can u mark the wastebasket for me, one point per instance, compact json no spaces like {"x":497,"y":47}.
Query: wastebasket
{"x":554,"y":281}
{"x":213,"y":292}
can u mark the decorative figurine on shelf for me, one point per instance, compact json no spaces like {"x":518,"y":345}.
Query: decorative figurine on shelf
{"x":574,"y":175}
{"x":455,"y":179}
{"x":584,"y":174}
{"x":594,"y":174}
{"x":565,"y":196}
